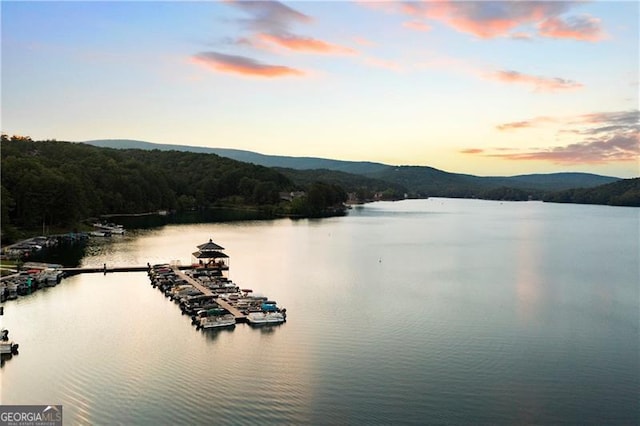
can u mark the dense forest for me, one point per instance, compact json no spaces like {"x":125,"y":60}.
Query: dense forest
{"x":60,"y":184}
{"x":622,"y":193}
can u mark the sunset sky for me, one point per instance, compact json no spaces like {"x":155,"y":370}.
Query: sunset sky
{"x":484,"y":87}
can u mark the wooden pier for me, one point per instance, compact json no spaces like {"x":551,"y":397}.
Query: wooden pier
{"x":240,"y":317}
{"x":105,"y":270}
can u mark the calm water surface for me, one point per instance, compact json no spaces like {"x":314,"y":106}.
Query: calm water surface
{"x":421,"y":311}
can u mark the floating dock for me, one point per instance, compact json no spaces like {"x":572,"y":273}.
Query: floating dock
{"x":240,"y":317}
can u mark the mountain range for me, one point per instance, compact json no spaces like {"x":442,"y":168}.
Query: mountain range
{"x":417,"y":181}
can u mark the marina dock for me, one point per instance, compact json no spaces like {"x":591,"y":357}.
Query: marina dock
{"x":201,"y":288}
{"x":240,"y":317}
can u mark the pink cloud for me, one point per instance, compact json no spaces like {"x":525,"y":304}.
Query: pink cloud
{"x":486,"y":19}
{"x":416,"y":25}
{"x":305,"y":44}
{"x":519,"y":35}
{"x":271,"y":22}
{"x":541,"y":84}
{"x":493,"y":18}
{"x":621,"y":147}
{"x":629,"y":118}
{"x":582,"y":28}
{"x":606,"y":137}
{"x":242,"y":65}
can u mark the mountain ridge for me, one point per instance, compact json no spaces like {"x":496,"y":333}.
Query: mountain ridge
{"x":305,"y":163}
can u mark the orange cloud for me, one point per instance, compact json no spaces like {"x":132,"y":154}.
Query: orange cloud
{"x":242,"y":65}
{"x":542,"y":84}
{"x":582,"y":28}
{"x":472,"y":151}
{"x":298,"y":43}
{"x":524,"y":124}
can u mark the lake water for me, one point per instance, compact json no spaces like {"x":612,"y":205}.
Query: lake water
{"x":420,"y":311}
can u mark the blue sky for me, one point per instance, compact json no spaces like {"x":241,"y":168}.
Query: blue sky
{"x":485,"y":87}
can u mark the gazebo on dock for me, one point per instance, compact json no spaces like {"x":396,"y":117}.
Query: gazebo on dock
{"x":210,"y":255}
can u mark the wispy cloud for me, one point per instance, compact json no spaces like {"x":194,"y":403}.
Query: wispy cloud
{"x":269,"y":16}
{"x":417,"y":25}
{"x":580,"y":124}
{"x":582,"y":28}
{"x":492,"y":19}
{"x":621,"y":147}
{"x":606,"y":137}
{"x":266,"y":27}
{"x":272,"y":22}
{"x":304,"y":44}
{"x":533,"y":122}
{"x":242,"y":65}
{"x":472,"y":151}
{"x":629,"y":118}
{"x":542,"y":84}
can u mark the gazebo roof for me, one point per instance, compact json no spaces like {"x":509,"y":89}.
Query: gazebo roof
{"x":210,"y":246}
{"x":209,"y":255}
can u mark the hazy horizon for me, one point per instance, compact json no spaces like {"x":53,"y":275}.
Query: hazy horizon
{"x":483,"y":88}
{"x":331,"y":159}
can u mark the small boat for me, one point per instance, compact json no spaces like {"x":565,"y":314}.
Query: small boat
{"x":112,"y":228}
{"x":11,"y":292}
{"x":216,"y":317}
{"x":216,"y":321}
{"x":102,"y":234}
{"x":266,"y":317}
{"x":50,"y":277}
{"x":8,"y":347}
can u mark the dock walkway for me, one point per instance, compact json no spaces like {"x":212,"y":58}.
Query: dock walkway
{"x":240,"y":317}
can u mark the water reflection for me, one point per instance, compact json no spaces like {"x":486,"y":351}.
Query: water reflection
{"x":265,"y":328}
{"x":212,"y":334}
{"x":481,"y":314}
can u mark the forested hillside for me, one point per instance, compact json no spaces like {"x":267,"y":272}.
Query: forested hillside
{"x":622,"y":193}
{"x":417,"y":181}
{"x":60,"y":183}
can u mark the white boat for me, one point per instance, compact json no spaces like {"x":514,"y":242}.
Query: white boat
{"x":100,"y":233}
{"x":8,"y":347}
{"x":266,"y":317}
{"x":50,"y":277}
{"x":215,"y":321}
{"x":113,"y":228}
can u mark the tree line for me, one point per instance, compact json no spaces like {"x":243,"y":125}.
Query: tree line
{"x":59,"y":184}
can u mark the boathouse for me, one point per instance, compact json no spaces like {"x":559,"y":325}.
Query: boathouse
{"x":210,"y":255}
